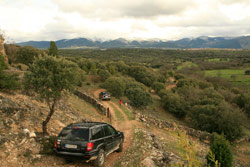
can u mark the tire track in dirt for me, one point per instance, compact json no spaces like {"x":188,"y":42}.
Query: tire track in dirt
{"x":125,"y":126}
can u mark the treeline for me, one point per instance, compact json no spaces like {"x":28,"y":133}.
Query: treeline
{"x":170,"y":59}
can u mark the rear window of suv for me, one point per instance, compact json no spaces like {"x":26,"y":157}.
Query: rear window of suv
{"x":75,"y":134}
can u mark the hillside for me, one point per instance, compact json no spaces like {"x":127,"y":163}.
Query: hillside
{"x":170,"y":105}
{"x":145,"y":143}
{"x":242,"y":42}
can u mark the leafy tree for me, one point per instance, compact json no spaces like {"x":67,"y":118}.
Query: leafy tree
{"x":7,"y":81}
{"x":132,"y":83}
{"x":111,"y":69}
{"x":11,"y":51}
{"x":115,"y":85}
{"x":142,"y":74}
{"x":174,"y":104}
{"x":222,"y":118}
{"x":220,"y":148}
{"x":243,"y":101}
{"x":51,"y":78}
{"x":247,"y":72}
{"x":104,"y":74}
{"x":53,"y":51}
{"x":157,"y":86}
{"x":138,"y":97}
{"x":27,"y":54}
{"x":3,"y":65}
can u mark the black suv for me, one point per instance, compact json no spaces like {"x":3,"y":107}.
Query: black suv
{"x":89,"y":141}
{"x":104,"y":96}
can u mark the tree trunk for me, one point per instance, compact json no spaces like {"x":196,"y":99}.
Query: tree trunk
{"x":44,"y":124}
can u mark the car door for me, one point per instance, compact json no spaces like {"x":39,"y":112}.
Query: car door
{"x":115,"y":136}
{"x":109,"y":139}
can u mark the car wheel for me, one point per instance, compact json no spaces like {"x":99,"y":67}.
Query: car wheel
{"x":120,"y":147}
{"x":100,"y":160}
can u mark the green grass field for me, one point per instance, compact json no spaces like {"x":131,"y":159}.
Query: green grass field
{"x":217,"y":60}
{"x":233,"y":75}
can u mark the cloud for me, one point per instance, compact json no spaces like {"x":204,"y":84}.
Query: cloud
{"x":24,"y":20}
{"x":119,"y":8}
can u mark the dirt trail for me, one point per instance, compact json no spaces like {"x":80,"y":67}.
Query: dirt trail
{"x":125,"y":126}
{"x":171,"y":86}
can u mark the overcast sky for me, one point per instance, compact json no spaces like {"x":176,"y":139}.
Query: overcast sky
{"x":23,"y":20}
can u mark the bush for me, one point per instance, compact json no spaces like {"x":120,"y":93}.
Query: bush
{"x":27,"y":54}
{"x":247,"y":72}
{"x":243,"y":101}
{"x":221,"y":119}
{"x":174,"y":104}
{"x":162,"y":93}
{"x":11,"y":51}
{"x":138,"y":97}
{"x":142,"y":74}
{"x":7,"y":81}
{"x":115,"y":85}
{"x":157,"y":86}
{"x":104,"y":74}
{"x":47,"y":145}
{"x":132,"y":83}
{"x":220,"y":148}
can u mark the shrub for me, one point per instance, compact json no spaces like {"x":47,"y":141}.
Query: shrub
{"x":157,"y":86}
{"x":243,"y":101}
{"x":247,"y":72}
{"x":27,"y":54}
{"x":11,"y":51}
{"x":174,"y":104}
{"x":132,"y":83}
{"x":221,"y":119}
{"x":104,"y":74}
{"x":47,"y":145}
{"x":115,"y":85}
{"x":220,"y":148}
{"x":7,"y":81}
{"x":162,"y":93}
{"x":138,"y":97}
{"x":143,"y":75}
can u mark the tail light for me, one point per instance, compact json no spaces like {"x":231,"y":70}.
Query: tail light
{"x":102,"y":96}
{"x":90,"y":146}
{"x":55,"y":144}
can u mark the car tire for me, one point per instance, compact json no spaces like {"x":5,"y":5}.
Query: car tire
{"x":100,"y":160}
{"x":120,"y":147}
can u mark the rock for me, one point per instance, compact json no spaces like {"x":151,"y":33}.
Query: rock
{"x":26,"y":132}
{"x":32,"y":135}
{"x":148,"y":162}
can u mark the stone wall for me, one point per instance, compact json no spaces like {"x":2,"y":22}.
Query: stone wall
{"x":202,"y":135}
{"x":101,"y":108}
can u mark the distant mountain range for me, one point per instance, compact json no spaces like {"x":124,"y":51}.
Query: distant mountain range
{"x":242,"y":42}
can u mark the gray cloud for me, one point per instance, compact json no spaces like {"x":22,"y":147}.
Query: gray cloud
{"x":120,"y":8}
{"x":25,"y":20}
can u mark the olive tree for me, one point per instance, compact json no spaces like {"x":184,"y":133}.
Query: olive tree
{"x":51,"y":78}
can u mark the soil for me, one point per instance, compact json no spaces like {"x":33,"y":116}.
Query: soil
{"x":126,"y":126}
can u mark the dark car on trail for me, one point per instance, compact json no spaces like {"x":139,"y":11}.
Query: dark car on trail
{"x":89,"y":141}
{"x":104,"y":96}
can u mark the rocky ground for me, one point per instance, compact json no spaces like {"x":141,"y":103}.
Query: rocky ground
{"x":22,"y":143}
{"x":21,"y":126}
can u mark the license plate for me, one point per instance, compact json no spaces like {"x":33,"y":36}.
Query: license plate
{"x":70,"y":146}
